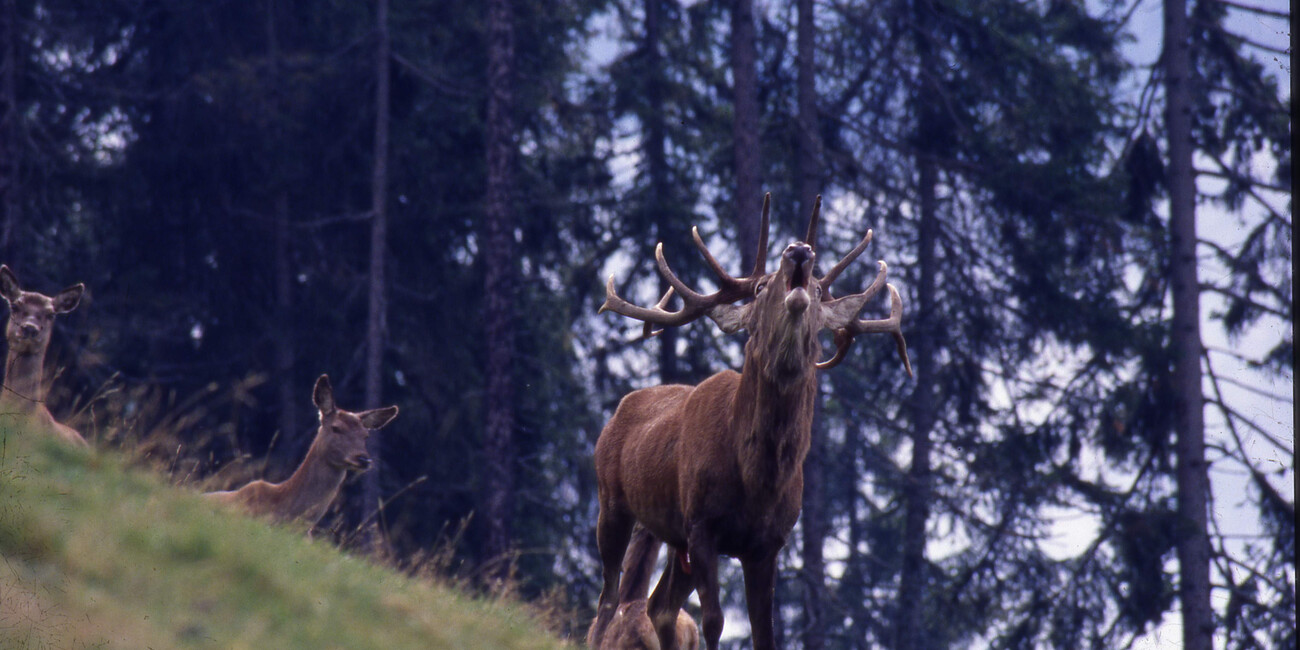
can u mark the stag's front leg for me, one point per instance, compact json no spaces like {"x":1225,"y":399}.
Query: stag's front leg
{"x":760,"y":584}
{"x":703,"y":552}
{"x":613,"y":530}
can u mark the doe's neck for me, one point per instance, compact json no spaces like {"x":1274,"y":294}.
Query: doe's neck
{"x":315,"y":482}
{"x":23,"y":374}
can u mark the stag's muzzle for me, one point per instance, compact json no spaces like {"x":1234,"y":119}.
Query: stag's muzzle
{"x":797,"y":265}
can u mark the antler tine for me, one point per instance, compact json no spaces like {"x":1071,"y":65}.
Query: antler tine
{"x":723,"y":277}
{"x":844,"y":263}
{"x":657,"y":315}
{"x":892,"y":325}
{"x":760,"y":260}
{"x":695,"y":304}
{"x":811,"y":237}
{"x":648,"y":331}
{"x":689,"y":296}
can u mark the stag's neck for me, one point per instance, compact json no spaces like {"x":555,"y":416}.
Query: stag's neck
{"x":312,"y":486}
{"x":776,"y":427}
{"x":23,"y":374}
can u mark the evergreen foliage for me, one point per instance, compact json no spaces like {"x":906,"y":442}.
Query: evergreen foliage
{"x":160,"y":152}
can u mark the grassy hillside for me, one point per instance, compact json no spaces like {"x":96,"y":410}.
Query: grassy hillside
{"x":96,"y":555}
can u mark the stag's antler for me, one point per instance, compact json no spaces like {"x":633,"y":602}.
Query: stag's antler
{"x":694,"y":304}
{"x":842,"y":313}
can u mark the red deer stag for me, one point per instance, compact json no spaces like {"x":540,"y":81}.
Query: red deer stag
{"x":339,"y":446}
{"x":631,"y":629}
{"x":31,"y":320}
{"x":717,"y":468}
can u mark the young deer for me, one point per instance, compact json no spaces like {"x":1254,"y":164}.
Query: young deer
{"x":339,"y":446}
{"x":31,"y":320}
{"x":631,"y":628}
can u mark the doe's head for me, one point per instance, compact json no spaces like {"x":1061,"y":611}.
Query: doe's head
{"x":31,"y":314}
{"x":343,"y":434}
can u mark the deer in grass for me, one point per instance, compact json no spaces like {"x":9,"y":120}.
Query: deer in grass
{"x":631,"y":628}
{"x":339,"y":447}
{"x":31,"y":321}
{"x":717,"y":468}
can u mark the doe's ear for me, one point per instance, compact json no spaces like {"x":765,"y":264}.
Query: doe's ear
{"x":377,"y":418}
{"x":323,"y":395}
{"x":9,"y":284}
{"x":68,"y":299}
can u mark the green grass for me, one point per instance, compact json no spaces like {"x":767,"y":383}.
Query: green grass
{"x":95,"y":554}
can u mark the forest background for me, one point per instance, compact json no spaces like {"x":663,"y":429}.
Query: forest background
{"x":424,"y":201}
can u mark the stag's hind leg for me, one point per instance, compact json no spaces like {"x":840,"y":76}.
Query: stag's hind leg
{"x":613,"y":530}
{"x":667,"y":600}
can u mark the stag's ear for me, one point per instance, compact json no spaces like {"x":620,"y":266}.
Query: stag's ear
{"x":731,"y":318}
{"x":323,"y":395}
{"x":377,"y":418}
{"x":838,"y":313}
{"x":68,"y":299}
{"x":9,"y":284}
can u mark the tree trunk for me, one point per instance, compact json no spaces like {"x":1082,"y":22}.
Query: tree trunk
{"x":284,"y":455}
{"x":287,"y":446}
{"x":377,"y":321}
{"x":10,"y":202}
{"x":809,"y":140}
{"x":911,"y":631}
{"x":498,"y":259}
{"x":745,"y":130}
{"x":813,"y":520}
{"x":1192,"y":478}
{"x":657,"y":167}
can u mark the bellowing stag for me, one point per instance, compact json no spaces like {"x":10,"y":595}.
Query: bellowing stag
{"x":717,"y":468}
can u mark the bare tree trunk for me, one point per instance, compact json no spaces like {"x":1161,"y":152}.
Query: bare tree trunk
{"x":287,"y":446}
{"x":657,"y":164}
{"x":916,"y":488}
{"x":283,"y":457}
{"x":10,"y":152}
{"x":377,"y":321}
{"x":498,"y":259}
{"x":813,"y":520}
{"x":745,"y":130}
{"x":809,"y":138}
{"x":1192,"y":477}
{"x":911,"y":631}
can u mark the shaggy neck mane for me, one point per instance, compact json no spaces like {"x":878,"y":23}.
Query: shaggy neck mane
{"x":774,"y":415}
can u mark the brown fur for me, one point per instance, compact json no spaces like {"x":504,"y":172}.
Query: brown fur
{"x":339,"y":446}
{"x":717,"y":468}
{"x":28,"y":329}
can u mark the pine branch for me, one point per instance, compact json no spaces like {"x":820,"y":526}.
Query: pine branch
{"x":1209,"y":288}
{"x":1263,"y":11}
{"x":1231,"y":416}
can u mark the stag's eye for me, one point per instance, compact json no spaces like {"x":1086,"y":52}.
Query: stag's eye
{"x":761,"y":286}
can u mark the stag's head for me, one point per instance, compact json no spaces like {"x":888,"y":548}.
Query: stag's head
{"x":789,"y":307}
{"x":342,"y":435}
{"x":31,"y":314}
